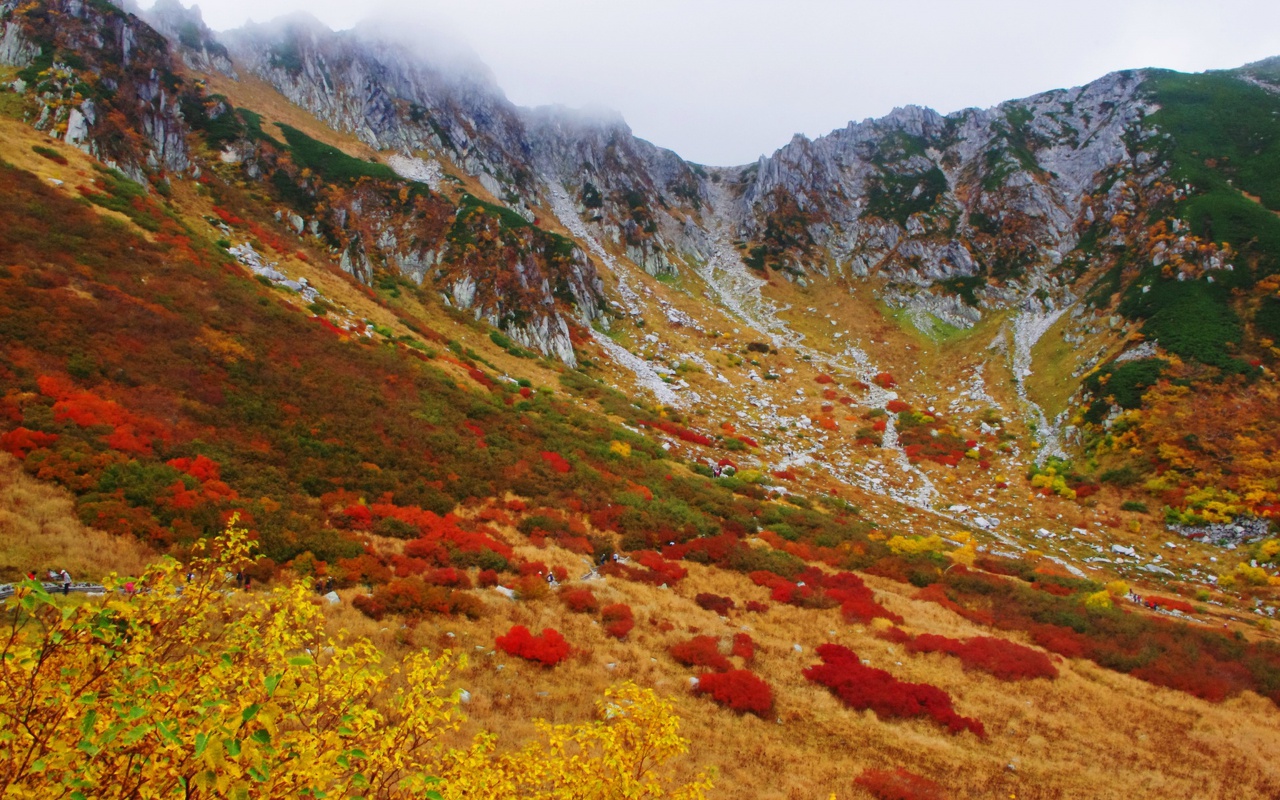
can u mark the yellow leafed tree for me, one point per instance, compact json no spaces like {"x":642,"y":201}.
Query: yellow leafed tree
{"x":181,"y":688}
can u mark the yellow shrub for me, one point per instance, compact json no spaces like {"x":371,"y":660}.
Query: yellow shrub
{"x":188,"y":689}
{"x":621,"y":449}
{"x":1098,"y":600}
{"x":915,"y":545}
{"x":1251,"y":576}
{"x":1118,"y":588}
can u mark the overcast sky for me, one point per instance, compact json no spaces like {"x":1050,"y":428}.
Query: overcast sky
{"x":725,"y":81}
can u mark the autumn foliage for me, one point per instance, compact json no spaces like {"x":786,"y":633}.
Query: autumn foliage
{"x":1006,"y":660}
{"x":899,"y":784}
{"x":862,"y":687}
{"x":581,"y":601}
{"x":253,"y":699}
{"x":714,"y":602}
{"x":738,"y":689}
{"x":549,"y":648}
{"x":617,"y":620}
{"x":700,"y":651}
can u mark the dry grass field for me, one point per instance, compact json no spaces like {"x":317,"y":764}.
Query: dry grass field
{"x":1090,"y":733}
{"x":39,"y":531}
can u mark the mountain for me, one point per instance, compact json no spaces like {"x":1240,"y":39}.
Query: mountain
{"x":937,"y":390}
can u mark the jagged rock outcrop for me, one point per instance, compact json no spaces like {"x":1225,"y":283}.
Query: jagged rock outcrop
{"x":194,"y":42}
{"x":920,"y":198}
{"x":102,"y":79}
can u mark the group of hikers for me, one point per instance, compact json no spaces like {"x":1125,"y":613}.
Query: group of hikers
{"x":55,"y":576}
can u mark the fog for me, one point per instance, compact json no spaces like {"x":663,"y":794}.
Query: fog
{"x":724,"y":82}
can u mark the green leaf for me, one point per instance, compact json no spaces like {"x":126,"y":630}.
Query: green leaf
{"x":87,"y":724}
{"x":136,"y":733}
{"x":250,"y":712}
{"x":169,"y":731}
{"x":272,"y":682}
{"x":261,"y":736}
{"x":233,"y":747}
{"x":301,"y":661}
{"x":202,"y":741}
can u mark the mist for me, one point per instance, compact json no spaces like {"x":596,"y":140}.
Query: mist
{"x":725,"y":82}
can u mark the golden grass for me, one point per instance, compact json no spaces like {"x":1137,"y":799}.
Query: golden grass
{"x":39,"y":530}
{"x":1091,"y":733}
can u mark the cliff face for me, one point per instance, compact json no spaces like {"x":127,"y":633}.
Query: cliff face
{"x":101,"y":79}
{"x":394,"y":98}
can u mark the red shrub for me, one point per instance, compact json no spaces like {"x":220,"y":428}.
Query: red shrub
{"x":448,"y":576}
{"x":1170,"y":603}
{"x":756,"y":607}
{"x":862,"y":687}
{"x":533,"y":568}
{"x":412,"y":598}
{"x":487,"y":577}
{"x":884,"y":380}
{"x":738,"y":689}
{"x":1059,"y":639}
{"x":1208,"y":678}
{"x":864,"y":609}
{"x":714,"y":602}
{"x":1008,"y":661}
{"x":899,"y":785}
{"x":21,"y":441}
{"x":680,"y":432}
{"x":937,"y":593}
{"x":743,"y":647}
{"x":700,"y":651}
{"x":329,"y":326}
{"x":581,"y":601}
{"x":200,"y":468}
{"x":824,"y":378}
{"x":556,"y":461}
{"x":669,"y":572}
{"x":1053,"y":588}
{"x":355,"y":517}
{"x":896,"y":407}
{"x":550,"y":648}
{"x":617,"y":620}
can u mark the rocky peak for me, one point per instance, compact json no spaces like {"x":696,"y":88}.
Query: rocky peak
{"x":195,"y":43}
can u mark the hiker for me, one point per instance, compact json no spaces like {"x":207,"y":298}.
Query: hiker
{"x":328,"y":584}
{"x":66,"y":582}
